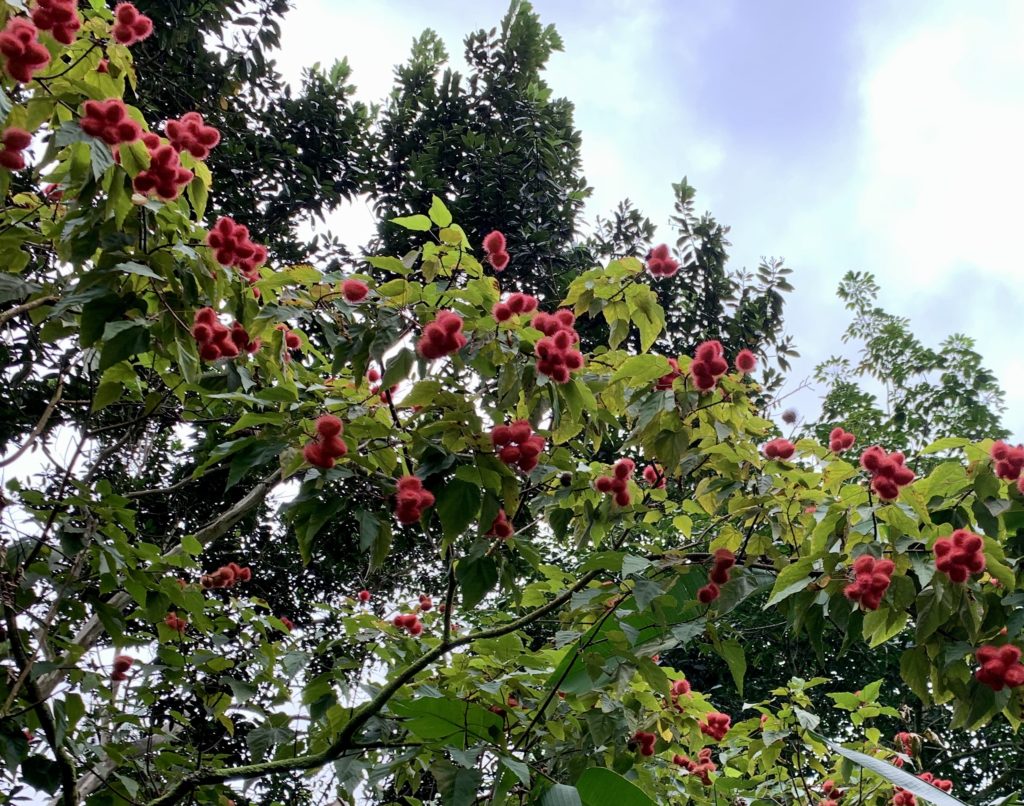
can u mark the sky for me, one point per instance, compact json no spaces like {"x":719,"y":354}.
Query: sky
{"x":882,"y":136}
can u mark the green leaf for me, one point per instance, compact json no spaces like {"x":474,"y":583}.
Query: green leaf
{"x":477,"y":576}
{"x":458,"y":503}
{"x":882,"y":624}
{"x":792,"y":579}
{"x":641,"y":370}
{"x":561,"y":795}
{"x":398,"y":368}
{"x":732,"y":653}
{"x":599,"y":786}
{"x":915,"y":670}
{"x":438,"y":719}
{"x":122,"y":340}
{"x":131,"y":267}
{"x":439,"y":213}
{"x":419,"y":223}
{"x":101,"y":156}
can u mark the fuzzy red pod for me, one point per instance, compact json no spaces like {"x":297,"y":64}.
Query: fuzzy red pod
{"x":363,"y":596}
{"x":498,"y":260}
{"x":708,"y":365}
{"x":15,"y":141}
{"x":122,"y":663}
{"x":779,"y":448}
{"x":888,"y":471}
{"x":716,"y":725}
{"x":724,"y":561}
{"x":960,"y":555}
{"x":840,"y":440}
{"x":1000,"y":667}
{"x":701,"y":768}
{"x":354,"y":290}
{"x":59,"y":17}
{"x":746,"y":361}
{"x":708,"y":593}
{"x":442,"y":337}
{"x":679,"y":688}
{"x":903,"y":798}
{"x":654,"y":475}
{"x":233,"y":246}
{"x":110,"y":122}
{"x":939,"y":783}
{"x":557,"y":357}
{"x":660,"y":262}
{"x":176,"y":622}
{"x":327,"y":446}
{"x":501,"y":527}
{"x":645,"y":742}
{"x":165,"y":177}
{"x":426,"y":603}
{"x":1009,"y":460}
{"x":190,"y":133}
{"x":411,"y":499}
{"x":409,"y":622}
{"x":518,"y":445}
{"x":24,"y":55}
{"x":617,"y":484}
{"x":214,"y":339}
{"x":287,"y":622}
{"x":666,"y":381}
{"x":871,"y":580}
{"x":130,"y":26}
{"x":494,"y":242}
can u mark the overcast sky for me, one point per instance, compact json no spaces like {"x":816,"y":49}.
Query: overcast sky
{"x":880,"y":135}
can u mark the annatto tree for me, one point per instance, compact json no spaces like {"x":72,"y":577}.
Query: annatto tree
{"x":135,"y":671}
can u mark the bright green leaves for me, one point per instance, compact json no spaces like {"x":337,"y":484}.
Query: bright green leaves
{"x":618,"y":294}
{"x":458,"y":503}
{"x":417,"y":223}
{"x":448,"y":722}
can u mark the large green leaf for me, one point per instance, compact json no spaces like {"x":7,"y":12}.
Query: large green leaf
{"x":451,"y":722}
{"x":599,"y":786}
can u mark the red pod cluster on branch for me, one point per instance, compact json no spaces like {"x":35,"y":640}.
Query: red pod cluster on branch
{"x":514,"y":305}
{"x":176,"y":622}
{"x":109,"y":121}
{"x":190,"y":133}
{"x":724,"y":561}
{"x":617,"y":484}
{"x":411,"y":500}
{"x":327,"y":446}
{"x":59,"y":17}
{"x":939,"y":783}
{"x":501,"y":528}
{"x":442,"y":337}
{"x":871,"y":581}
{"x":426,"y":603}
{"x":654,"y":475}
{"x":1009,"y":460}
{"x":495,"y":250}
{"x":216,"y":340}
{"x":227,"y":576}
{"x":1000,"y":667}
{"x":645,"y":742}
{"x":165,"y":176}
{"x":232,"y":246}
{"x":660,"y":262}
{"x":122,"y":663}
{"x":666,"y":381}
{"x":130,"y":25}
{"x":960,"y":555}
{"x":716,"y":725}
{"x":557,"y":356}
{"x":708,"y":365}
{"x":902,"y":797}
{"x":409,"y":622}
{"x":14,"y":141}
{"x":888,"y":471}
{"x":840,"y":440}
{"x":833,"y":792}
{"x":779,"y":448}
{"x":518,"y":445}
{"x":24,"y":55}
{"x":702,"y":767}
